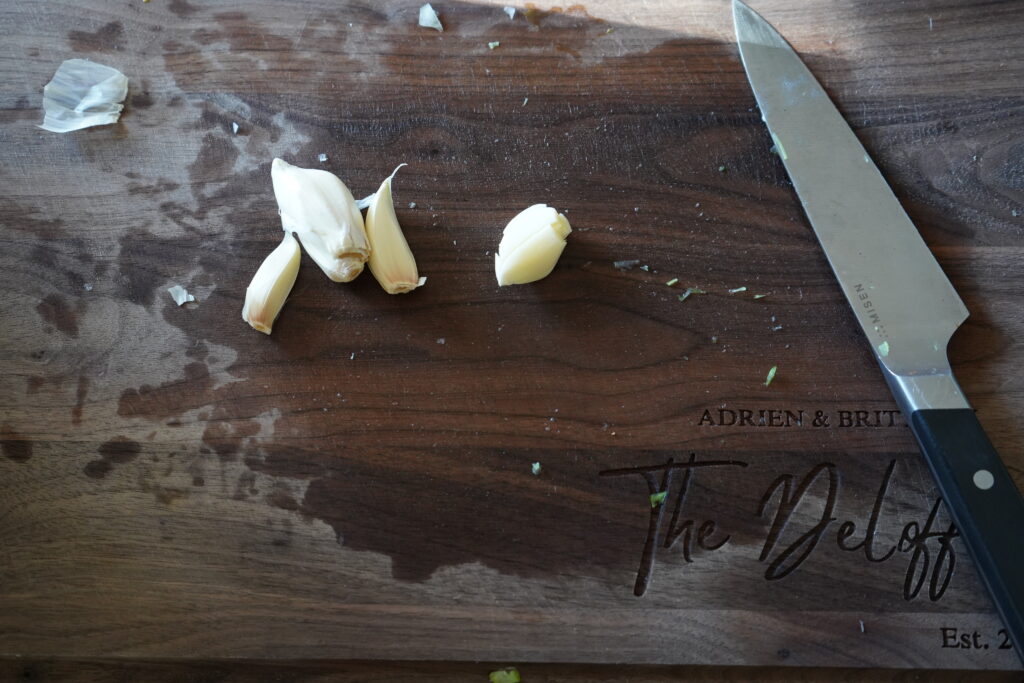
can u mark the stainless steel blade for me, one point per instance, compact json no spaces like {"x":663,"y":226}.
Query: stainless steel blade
{"x":903,"y":301}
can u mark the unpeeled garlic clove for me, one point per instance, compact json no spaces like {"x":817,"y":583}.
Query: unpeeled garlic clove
{"x":530,"y":245}
{"x":317,"y":206}
{"x":391,"y":260}
{"x":271,"y":285}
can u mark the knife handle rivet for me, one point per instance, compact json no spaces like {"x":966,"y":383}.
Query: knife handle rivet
{"x":984,"y":480}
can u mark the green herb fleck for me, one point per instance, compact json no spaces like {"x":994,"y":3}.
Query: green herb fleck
{"x":737,"y":290}
{"x":760,"y":296}
{"x":714,"y":340}
{"x":883,"y":349}
{"x":493,"y":45}
{"x":609,"y":31}
{"x":658,"y":498}
{"x":645,"y":268}
{"x":690,"y":290}
{"x":505,"y":676}
{"x":535,"y":469}
{"x":771,"y":375}
{"x":721,"y":169}
{"x":672,"y":282}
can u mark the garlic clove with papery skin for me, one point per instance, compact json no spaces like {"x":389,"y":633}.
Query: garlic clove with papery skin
{"x":271,"y":285}
{"x":317,"y":206}
{"x":391,"y":260}
{"x":530,"y":245}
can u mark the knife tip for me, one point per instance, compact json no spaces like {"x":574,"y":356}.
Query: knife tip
{"x":741,"y":11}
{"x":753,"y":29}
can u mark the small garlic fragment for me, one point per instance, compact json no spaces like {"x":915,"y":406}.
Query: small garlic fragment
{"x":271,"y":285}
{"x":317,"y":206}
{"x":428,"y":18}
{"x":179,"y":294}
{"x":391,"y":260}
{"x":530,"y":245}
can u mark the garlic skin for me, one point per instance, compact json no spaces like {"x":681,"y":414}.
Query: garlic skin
{"x":429,"y":19}
{"x":391,"y":260}
{"x":530,"y":245}
{"x":317,"y":206}
{"x":271,"y":285}
{"x":83,"y":94}
{"x":181,"y":295}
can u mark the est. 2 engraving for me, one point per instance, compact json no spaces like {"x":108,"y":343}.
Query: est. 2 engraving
{"x":954,"y":638}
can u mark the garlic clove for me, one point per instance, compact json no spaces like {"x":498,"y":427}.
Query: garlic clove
{"x":336,"y":269}
{"x":527,"y":222}
{"x":533,"y":260}
{"x":391,"y":261}
{"x":317,"y":206}
{"x":271,"y":285}
{"x":530,"y":245}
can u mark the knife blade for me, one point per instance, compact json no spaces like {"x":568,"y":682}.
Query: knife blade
{"x":904,"y":303}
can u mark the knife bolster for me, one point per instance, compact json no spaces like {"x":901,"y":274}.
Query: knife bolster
{"x":926,"y":391}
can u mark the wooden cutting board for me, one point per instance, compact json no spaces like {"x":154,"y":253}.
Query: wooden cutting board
{"x":177,"y":486}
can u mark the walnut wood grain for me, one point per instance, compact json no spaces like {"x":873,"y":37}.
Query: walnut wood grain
{"x":107,"y":671}
{"x":358,"y":486}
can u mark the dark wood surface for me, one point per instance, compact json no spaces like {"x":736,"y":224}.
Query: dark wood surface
{"x":357,"y":486}
{"x":107,"y":671}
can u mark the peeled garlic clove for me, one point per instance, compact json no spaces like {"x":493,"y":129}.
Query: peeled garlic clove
{"x":317,"y":206}
{"x":530,"y":245}
{"x":337,"y":269}
{"x":271,"y":285}
{"x":391,"y":260}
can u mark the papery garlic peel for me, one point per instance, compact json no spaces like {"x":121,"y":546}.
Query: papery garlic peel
{"x":391,"y":260}
{"x":429,"y":19}
{"x":271,"y":285}
{"x":317,"y":206}
{"x":82,"y":94}
{"x":530,"y":245}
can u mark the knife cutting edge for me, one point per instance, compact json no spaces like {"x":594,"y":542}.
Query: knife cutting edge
{"x":903,"y":301}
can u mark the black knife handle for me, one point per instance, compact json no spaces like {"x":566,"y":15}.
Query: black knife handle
{"x":983,"y":502}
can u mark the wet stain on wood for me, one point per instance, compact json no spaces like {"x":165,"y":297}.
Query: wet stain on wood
{"x":182,"y":8}
{"x":56,"y":311}
{"x":114,"y":452}
{"x":81,"y":392}
{"x":169,"y":399}
{"x":107,"y":38}
{"x":224,"y":436}
{"x":14,"y":446}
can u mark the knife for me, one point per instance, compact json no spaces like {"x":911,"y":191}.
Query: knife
{"x":903,"y":301}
